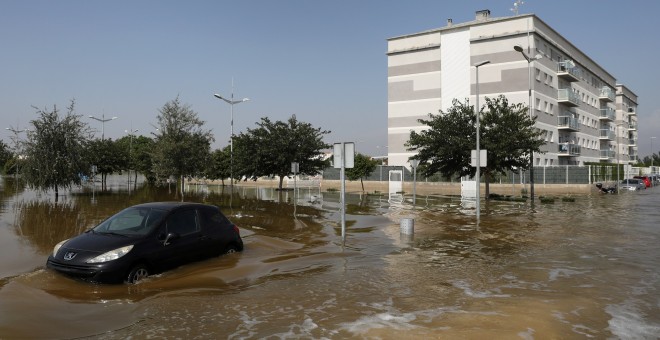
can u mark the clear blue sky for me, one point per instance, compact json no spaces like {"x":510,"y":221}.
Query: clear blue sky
{"x":323,"y":61}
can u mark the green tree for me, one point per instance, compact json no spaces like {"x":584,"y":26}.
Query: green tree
{"x":55,"y":150}
{"x":181,"y":147}
{"x":5,"y":156}
{"x":269,"y":149}
{"x":219,"y":167}
{"x":508,"y":135}
{"x":507,"y":132}
{"x":445,"y":146}
{"x":108,"y":157}
{"x":138,"y":153}
{"x":363,"y":167}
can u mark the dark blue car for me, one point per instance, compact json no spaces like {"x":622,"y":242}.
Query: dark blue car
{"x":146,"y":239}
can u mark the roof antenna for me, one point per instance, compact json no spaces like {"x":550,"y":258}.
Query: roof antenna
{"x":516,"y":6}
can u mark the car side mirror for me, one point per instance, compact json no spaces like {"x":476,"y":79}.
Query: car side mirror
{"x":170,"y":237}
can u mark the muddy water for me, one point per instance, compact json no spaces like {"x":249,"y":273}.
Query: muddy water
{"x":583,"y":269}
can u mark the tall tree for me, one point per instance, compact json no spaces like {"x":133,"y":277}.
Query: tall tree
{"x":5,"y":156}
{"x":108,"y":158}
{"x":138,"y":151}
{"x":508,"y":135}
{"x":182,"y":147}
{"x":507,"y":132}
{"x":55,"y":150}
{"x":445,"y":146}
{"x":269,"y":149}
{"x":363,"y":167}
{"x":218,"y":167}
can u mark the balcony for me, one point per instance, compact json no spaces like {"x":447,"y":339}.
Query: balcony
{"x":568,"y":149}
{"x":568,"y":71}
{"x":569,"y":123}
{"x":632,"y":111}
{"x":606,"y":94}
{"x":568,"y":97}
{"x":607,"y":154}
{"x":632,"y":142}
{"x":632,"y":157}
{"x":607,"y":113}
{"x":606,"y":134}
{"x":632,"y":126}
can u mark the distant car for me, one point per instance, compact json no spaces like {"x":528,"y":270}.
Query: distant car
{"x":146,"y":239}
{"x":646,"y":179}
{"x":632,"y":184}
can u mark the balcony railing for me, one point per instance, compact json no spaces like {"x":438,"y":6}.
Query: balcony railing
{"x":568,"y":149}
{"x":632,"y":157}
{"x":606,"y":94}
{"x":607,"y":154}
{"x":607,"y":134}
{"x":568,"y":97}
{"x":632,"y":142}
{"x":568,"y":123}
{"x":632,"y":111}
{"x":632,"y":126}
{"x":607,"y":113}
{"x":567,"y":70}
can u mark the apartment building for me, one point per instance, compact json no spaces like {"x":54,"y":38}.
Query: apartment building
{"x":584,"y":114}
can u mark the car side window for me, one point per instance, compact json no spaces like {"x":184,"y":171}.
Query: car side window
{"x":212,"y":218}
{"x":183,"y":222}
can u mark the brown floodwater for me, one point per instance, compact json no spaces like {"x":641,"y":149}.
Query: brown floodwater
{"x":583,"y":269}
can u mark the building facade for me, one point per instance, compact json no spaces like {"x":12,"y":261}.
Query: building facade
{"x":585,"y":116}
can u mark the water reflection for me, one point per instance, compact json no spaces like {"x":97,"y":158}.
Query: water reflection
{"x":563,"y":270}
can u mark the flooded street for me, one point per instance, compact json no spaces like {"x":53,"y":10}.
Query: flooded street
{"x":583,"y":269}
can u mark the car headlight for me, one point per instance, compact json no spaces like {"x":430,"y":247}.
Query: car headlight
{"x":111,"y":255}
{"x":57,"y":247}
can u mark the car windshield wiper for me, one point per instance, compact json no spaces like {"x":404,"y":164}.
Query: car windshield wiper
{"x":111,"y":233}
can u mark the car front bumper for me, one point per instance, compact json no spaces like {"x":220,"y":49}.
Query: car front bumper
{"x":107,"y":272}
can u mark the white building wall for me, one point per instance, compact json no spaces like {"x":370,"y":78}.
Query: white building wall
{"x":455,"y":58}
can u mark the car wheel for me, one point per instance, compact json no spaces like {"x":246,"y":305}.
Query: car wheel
{"x":138,"y":273}
{"x":231,"y":248}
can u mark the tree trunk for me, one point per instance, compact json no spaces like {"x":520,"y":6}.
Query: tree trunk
{"x":57,"y":193}
{"x":361,"y":182}
{"x":281,"y":181}
{"x":182,"y":186}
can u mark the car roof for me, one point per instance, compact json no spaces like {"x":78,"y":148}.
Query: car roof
{"x":172,"y":205}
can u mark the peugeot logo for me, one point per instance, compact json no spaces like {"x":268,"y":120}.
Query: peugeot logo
{"x":69,"y":256}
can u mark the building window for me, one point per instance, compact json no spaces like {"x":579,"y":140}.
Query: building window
{"x":538,"y":75}
{"x":552,"y":107}
{"x":538,"y":104}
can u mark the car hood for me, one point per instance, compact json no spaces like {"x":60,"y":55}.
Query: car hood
{"x":91,"y":244}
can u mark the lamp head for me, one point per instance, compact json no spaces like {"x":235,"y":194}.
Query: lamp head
{"x":518,"y":48}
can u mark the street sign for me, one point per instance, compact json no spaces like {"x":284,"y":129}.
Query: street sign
{"x":482,"y":160}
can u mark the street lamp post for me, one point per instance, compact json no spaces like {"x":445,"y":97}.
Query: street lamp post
{"x":478,"y":160}
{"x":652,"y":153}
{"x":529,"y":59}
{"x":102,"y":120}
{"x":231,"y":102}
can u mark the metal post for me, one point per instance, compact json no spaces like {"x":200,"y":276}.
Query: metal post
{"x":231,"y":103}
{"x":477,"y":114}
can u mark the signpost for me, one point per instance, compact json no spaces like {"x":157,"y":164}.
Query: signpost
{"x":344,"y":158}
{"x":295,"y":168}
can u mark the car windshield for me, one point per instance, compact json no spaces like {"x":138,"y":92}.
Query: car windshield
{"x":131,"y":222}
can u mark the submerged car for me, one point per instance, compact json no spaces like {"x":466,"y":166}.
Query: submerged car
{"x":632,"y":184}
{"x":146,"y":239}
{"x":645,"y":179}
